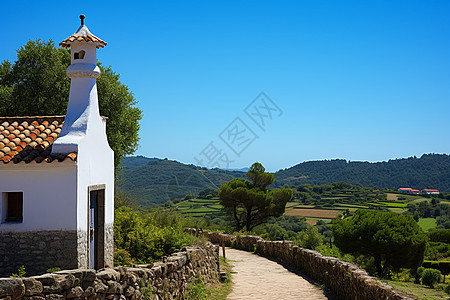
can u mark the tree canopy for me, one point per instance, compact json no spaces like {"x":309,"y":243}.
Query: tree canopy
{"x":36,"y":84}
{"x":394,"y":240}
{"x":249,"y":202}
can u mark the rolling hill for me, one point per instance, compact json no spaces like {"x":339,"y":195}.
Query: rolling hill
{"x":155,"y":181}
{"x":428,"y":171}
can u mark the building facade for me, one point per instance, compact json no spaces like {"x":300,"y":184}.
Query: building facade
{"x":57,"y":178}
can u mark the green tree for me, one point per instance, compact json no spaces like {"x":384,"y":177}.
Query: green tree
{"x":36,"y":84}
{"x":394,"y":241}
{"x":250,"y":203}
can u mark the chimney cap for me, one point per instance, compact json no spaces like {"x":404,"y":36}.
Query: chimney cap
{"x":83,"y":35}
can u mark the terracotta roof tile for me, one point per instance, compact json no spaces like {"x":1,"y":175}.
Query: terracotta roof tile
{"x":83,"y":35}
{"x":27,"y":139}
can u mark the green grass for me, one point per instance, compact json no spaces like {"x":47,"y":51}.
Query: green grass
{"x":203,"y":209}
{"x":215,"y":206}
{"x":397,"y":210}
{"x":427,"y":223}
{"x":350,"y":205}
{"x":219,"y":290}
{"x":393,"y":204}
{"x":417,"y":291}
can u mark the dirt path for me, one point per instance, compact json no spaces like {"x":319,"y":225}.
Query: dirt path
{"x":255,"y":277}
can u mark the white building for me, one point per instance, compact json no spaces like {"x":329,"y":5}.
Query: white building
{"x":57,"y":178}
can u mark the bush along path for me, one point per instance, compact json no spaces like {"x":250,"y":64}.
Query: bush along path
{"x":256,"y":277}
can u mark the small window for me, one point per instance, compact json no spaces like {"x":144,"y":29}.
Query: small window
{"x":14,"y":207}
{"x":79,"y":55}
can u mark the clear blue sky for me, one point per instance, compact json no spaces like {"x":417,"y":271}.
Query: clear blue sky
{"x":360,"y":80}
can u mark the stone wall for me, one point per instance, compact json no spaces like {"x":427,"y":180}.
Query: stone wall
{"x":344,"y":279}
{"x":109,"y":244}
{"x":82,"y":250}
{"x":165,"y":280}
{"x":38,"y":251}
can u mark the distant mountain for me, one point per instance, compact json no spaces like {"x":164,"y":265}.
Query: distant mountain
{"x":428,"y":171}
{"x":135,"y":161}
{"x":155,"y":181}
{"x":239,"y":170}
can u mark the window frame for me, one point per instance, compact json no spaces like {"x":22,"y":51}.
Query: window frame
{"x":12,"y":207}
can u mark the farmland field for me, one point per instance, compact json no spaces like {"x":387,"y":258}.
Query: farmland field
{"x":391,"y":197}
{"x":427,"y":223}
{"x":315,"y":213}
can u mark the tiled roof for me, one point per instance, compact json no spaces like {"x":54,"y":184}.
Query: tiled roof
{"x":83,"y":35}
{"x":28,"y":139}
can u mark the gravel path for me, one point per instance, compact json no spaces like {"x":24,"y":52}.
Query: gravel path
{"x":255,"y":277}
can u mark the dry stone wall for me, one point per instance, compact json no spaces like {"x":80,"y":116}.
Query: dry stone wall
{"x":344,"y":279}
{"x":38,"y":251}
{"x":163,"y":280}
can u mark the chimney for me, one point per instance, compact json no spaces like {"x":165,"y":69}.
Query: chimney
{"x":82,"y":115}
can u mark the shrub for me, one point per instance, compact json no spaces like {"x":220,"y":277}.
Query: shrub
{"x":430,"y":277}
{"x":148,"y":235}
{"x":122,"y":258}
{"x":420,"y":271}
{"x":54,"y":269}
{"x":447,"y":288}
{"x":20,"y":272}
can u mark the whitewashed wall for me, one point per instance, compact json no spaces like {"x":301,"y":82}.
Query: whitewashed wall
{"x":95,"y":166}
{"x":49,"y":195}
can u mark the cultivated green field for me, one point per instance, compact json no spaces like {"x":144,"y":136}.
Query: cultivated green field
{"x":342,"y":203}
{"x":427,"y":223}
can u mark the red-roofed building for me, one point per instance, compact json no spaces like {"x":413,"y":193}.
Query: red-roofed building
{"x":430,"y":191}
{"x":409,"y":191}
{"x":57,"y":178}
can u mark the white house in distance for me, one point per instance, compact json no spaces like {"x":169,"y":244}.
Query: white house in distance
{"x":417,"y":192}
{"x":57,"y":178}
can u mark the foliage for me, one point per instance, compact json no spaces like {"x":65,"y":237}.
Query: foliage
{"x":250,"y":203}
{"x":430,"y":277}
{"x":437,"y":251}
{"x":442,"y":266}
{"x":310,"y":238}
{"x":208,"y":193}
{"x":281,"y":228}
{"x":439,"y":235}
{"x":196,"y":290}
{"x":36,"y":84}
{"x":431,"y":209}
{"x":122,"y":258}
{"x":148,"y":235}
{"x":20,"y":272}
{"x":121,"y":199}
{"x":393,"y":240}
{"x":146,"y":289}
{"x":54,"y":269}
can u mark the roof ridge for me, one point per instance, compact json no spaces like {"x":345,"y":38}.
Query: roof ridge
{"x":32,"y":117}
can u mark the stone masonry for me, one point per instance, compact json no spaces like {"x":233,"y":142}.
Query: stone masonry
{"x":109,"y":245}
{"x":163,"y":280}
{"x":37,"y":251}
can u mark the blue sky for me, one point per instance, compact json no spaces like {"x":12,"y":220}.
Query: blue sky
{"x":360,"y":80}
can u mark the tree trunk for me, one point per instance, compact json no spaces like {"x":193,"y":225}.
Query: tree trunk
{"x":248,"y":219}
{"x":378,"y":266}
